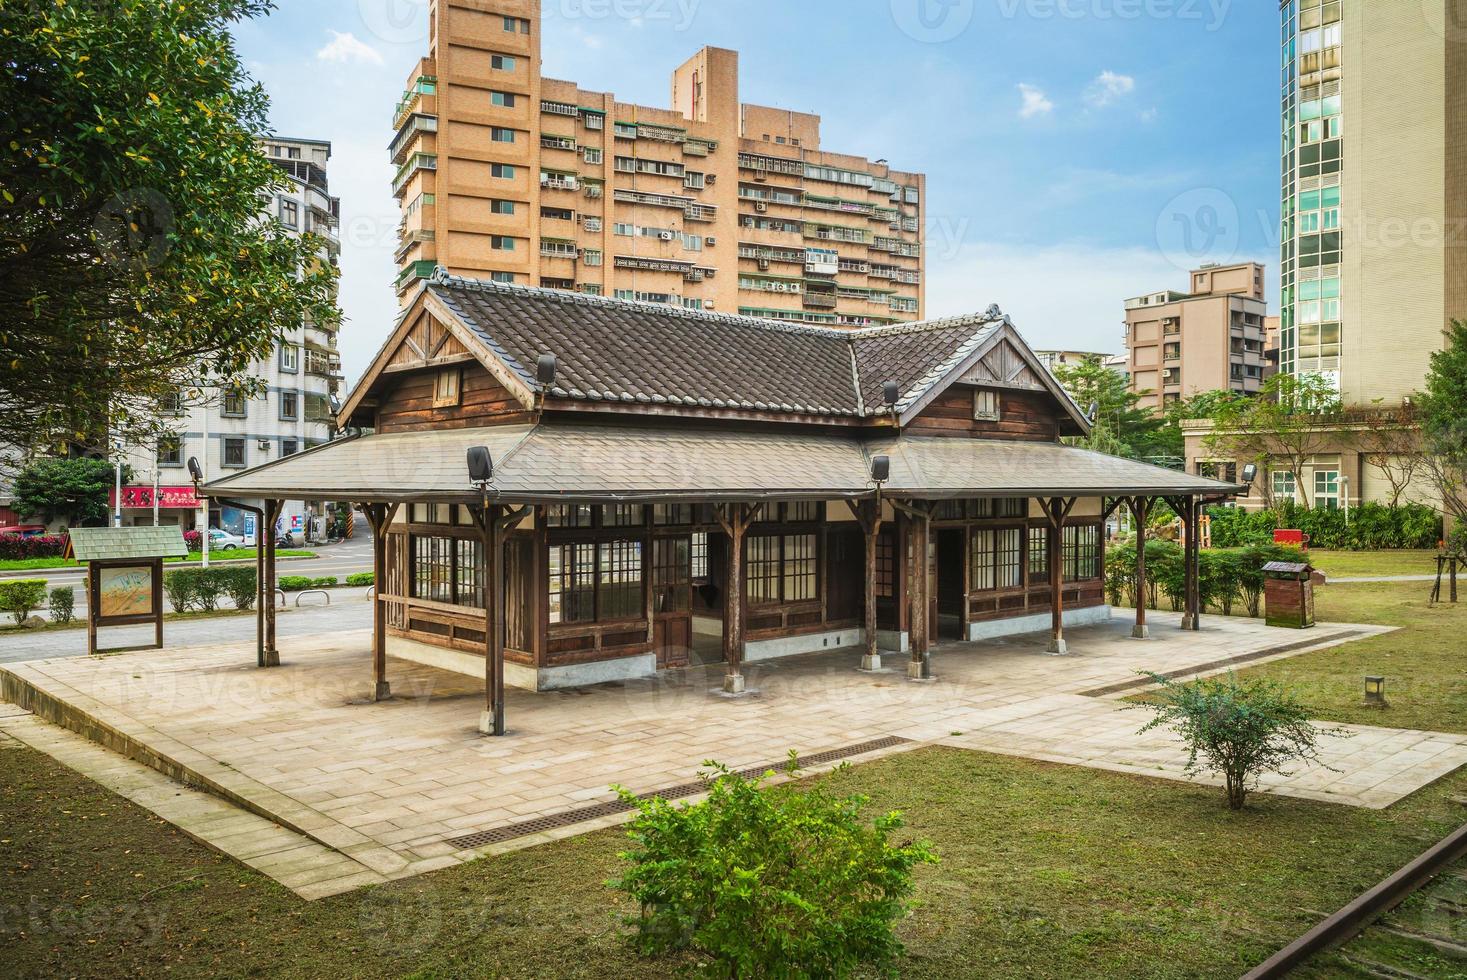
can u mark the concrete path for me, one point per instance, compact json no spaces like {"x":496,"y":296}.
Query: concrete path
{"x":409,"y":785}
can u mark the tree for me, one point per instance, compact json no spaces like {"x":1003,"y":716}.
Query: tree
{"x":136,"y":260}
{"x":1392,"y":447}
{"x":1293,"y":418}
{"x":74,"y":490}
{"x":1121,"y":428}
{"x":1443,"y":413}
{"x":1237,"y":729}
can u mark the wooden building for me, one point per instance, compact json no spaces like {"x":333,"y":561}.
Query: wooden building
{"x":672,"y":486}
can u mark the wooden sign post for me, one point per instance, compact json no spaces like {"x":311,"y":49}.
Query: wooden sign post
{"x":125,"y":575}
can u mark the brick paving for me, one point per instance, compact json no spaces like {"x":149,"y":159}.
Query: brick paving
{"x":390,"y":785}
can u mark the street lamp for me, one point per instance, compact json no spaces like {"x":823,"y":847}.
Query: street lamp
{"x":1375,"y":692}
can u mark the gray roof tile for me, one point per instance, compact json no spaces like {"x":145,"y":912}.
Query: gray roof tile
{"x":102,"y":543}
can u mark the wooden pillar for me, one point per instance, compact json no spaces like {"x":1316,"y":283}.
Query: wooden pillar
{"x":270,"y":512}
{"x":1141,"y":511}
{"x":919,"y":667}
{"x":868,"y":513}
{"x":379,"y":516}
{"x":735,"y":520}
{"x":262,"y":598}
{"x":1057,"y":511}
{"x":1192,"y":556}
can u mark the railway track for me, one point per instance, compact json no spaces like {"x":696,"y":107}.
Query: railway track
{"x":1412,"y":925}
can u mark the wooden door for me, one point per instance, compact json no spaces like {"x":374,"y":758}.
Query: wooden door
{"x":845,"y":572}
{"x":672,"y":598}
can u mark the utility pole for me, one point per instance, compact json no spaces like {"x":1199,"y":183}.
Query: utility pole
{"x":117,"y":485}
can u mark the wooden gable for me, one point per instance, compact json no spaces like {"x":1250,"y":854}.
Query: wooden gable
{"x":1003,"y":366}
{"x":427,"y":343}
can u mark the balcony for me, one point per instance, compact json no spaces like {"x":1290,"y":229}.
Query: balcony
{"x":407,"y":134}
{"x":554,"y":108}
{"x":820,"y":300}
{"x":558,"y":181}
{"x":421,"y":269}
{"x":418,"y":161}
{"x":558,"y":142}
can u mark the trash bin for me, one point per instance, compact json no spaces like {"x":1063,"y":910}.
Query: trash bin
{"x":1289,"y":594}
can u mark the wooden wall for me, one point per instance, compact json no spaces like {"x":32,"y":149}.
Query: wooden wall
{"x":1028,"y":415}
{"x":408,"y":404}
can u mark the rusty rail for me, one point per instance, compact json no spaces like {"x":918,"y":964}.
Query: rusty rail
{"x":1365,"y":908}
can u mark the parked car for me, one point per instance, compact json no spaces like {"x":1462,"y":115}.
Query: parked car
{"x":223,"y":540}
{"x":25,"y":530}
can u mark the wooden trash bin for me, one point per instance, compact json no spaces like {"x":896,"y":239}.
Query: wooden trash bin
{"x":1289,"y":594}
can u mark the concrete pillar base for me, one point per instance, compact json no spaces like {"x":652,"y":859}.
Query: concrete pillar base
{"x":733,"y":683}
{"x":919,"y":670}
{"x":272,"y":658}
{"x":1141,"y":632}
{"x":1057,"y":648}
{"x":383,"y":692}
{"x":1189,"y":622}
{"x":871,"y":661}
{"x":486,"y":722}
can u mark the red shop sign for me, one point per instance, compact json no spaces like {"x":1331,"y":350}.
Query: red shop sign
{"x":142,"y":497}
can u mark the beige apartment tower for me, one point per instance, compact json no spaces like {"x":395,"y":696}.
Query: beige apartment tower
{"x":710,"y":204}
{"x":1210,"y":338}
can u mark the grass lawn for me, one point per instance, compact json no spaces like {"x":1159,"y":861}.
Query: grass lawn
{"x":236,"y":554}
{"x":1371,"y":563}
{"x":1047,"y":871}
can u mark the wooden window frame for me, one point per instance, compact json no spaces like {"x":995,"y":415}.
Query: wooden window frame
{"x":448,"y":387}
{"x":987,"y":406}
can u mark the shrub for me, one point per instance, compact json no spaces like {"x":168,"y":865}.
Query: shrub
{"x":1238,"y":729}
{"x":239,"y":583}
{"x":194,"y":541}
{"x":294,"y":583}
{"x":768,"y":883}
{"x":62,"y":603}
{"x":181,"y":589}
{"x":20,"y":597}
{"x":14,"y":547}
{"x":195,"y":588}
{"x":360,"y":578}
{"x":326,"y":582}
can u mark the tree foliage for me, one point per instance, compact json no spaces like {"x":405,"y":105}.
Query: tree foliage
{"x":72,"y":490}
{"x":1238,"y":729}
{"x":1121,"y":427}
{"x":1290,"y":421}
{"x":136,"y":260}
{"x":1443,"y":413}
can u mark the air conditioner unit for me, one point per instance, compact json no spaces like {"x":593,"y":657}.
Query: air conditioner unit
{"x":708,"y":304}
{"x":761,"y":177}
{"x":711,"y":179}
{"x":666,"y":236}
{"x":764,"y":265}
{"x":760,"y":206}
{"x":710,"y":240}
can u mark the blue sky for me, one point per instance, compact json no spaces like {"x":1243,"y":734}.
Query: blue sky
{"x":1078,"y":151}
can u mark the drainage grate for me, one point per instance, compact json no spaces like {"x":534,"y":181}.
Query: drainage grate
{"x":1210,"y":666}
{"x":596,"y":811}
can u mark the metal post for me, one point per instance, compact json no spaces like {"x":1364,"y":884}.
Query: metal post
{"x":117,"y":481}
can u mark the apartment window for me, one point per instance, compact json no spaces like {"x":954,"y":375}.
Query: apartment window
{"x":502,"y":62}
{"x":446,"y":387}
{"x":502,"y":170}
{"x":501,"y":243}
{"x":289,"y":447}
{"x":170,"y":451}
{"x":171,"y":403}
{"x":500,"y":206}
{"x":1327,"y":489}
{"x":499,"y":134}
{"x":516,"y":25}
{"x":290,"y":358}
{"x":290,"y":408}
{"x":290,"y":213}
{"x":234,"y":452}
{"x":994,"y":556}
{"x":558,"y":214}
{"x":1283,"y":485}
{"x":591,"y":154}
{"x":234,"y":405}
{"x":985,"y":405}
{"x":591,"y":256}
{"x":590,"y":288}
{"x":503,"y":99}
{"x":502,"y":277}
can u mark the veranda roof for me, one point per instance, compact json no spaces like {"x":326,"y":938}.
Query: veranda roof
{"x":607,"y":463}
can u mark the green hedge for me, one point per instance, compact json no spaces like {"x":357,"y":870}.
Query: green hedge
{"x":62,"y":603}
{"x":295,"y":583}
{"x":200,"y":589}
{"x":22,"y":596}
{"x":1225,"y":576}
{"x":360,"y":578}
{"x":1372,"y":527}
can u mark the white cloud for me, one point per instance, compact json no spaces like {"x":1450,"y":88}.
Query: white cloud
{"x":1108,"y":87}
{"x":347,"y":48}
{"x":1036,"y":103}
{"x":1067,"y":296}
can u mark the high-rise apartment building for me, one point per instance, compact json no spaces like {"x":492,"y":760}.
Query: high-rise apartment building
{"x":1210,"y":338}
{"x":228,"y":431}
{"x":1374,"y":190}
{"x":709,"y":204}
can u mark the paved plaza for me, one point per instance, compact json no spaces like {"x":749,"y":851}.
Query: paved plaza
{"x":366,"y":792}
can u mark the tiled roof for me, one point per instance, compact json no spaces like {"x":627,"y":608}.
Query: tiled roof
{"x":101,"y":543}
{"x":615,"y":350}
{"x":607,"y":462}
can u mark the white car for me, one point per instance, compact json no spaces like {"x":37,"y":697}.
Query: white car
{"x":223,"y":540}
